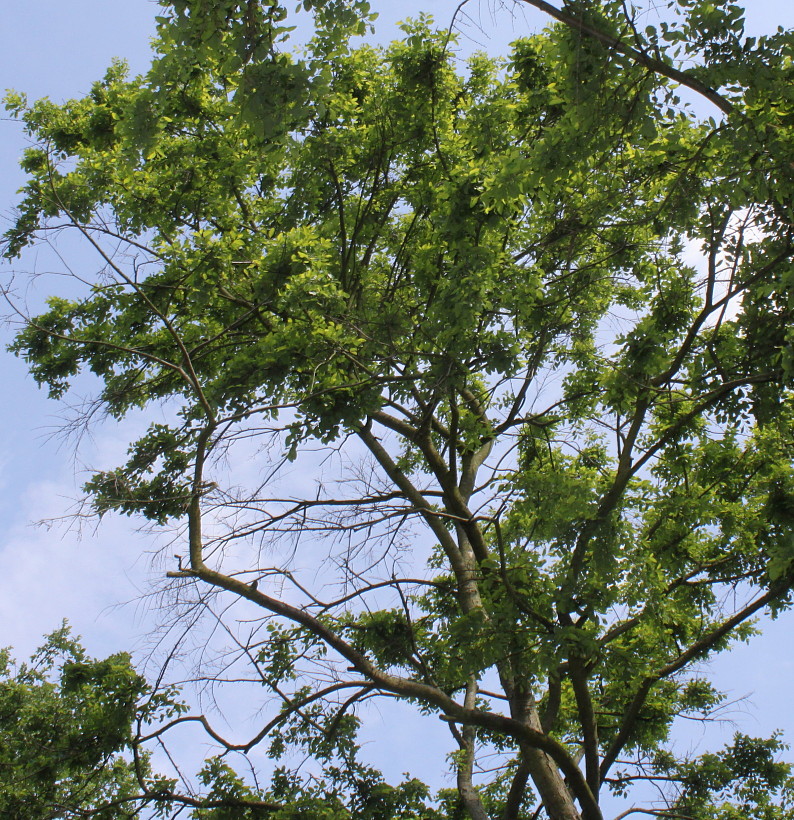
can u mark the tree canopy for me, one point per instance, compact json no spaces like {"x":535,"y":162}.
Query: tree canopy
{"x":503,"y":346}
{"x":63,"y":717}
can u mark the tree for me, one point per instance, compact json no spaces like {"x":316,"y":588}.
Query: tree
{"x":63,"y":718}
{"x":563,"y":447}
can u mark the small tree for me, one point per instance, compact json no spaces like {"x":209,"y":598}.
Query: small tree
{"x":564,"y":447}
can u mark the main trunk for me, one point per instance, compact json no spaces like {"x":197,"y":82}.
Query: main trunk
{"x":546,"y":776}
{"x":551,"y":787}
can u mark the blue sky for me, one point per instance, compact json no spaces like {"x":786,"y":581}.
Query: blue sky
{"x":49,"y":47}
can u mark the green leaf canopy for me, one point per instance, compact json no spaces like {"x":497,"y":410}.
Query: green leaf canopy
{"x":539,"y":307}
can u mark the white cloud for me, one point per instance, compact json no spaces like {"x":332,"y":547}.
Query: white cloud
{"x":51,"y":573}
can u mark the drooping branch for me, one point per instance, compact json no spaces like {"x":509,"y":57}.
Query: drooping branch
{"x":262,"y":733}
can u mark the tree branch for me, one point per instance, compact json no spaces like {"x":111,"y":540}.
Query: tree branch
{"x":700,"y":647}
{"x":639,"y":57}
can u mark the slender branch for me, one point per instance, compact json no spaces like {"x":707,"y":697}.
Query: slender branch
{"x":699,"y":648}
{"x":515,"y":796}
{"x":445,"y":539}
{"x":661,"y":813}
{"x":652,"y":63}
{"x":193,"y":378}
{"x":280,"y":718}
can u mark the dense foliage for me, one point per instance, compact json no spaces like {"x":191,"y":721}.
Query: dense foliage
{"x":63,"y":719}
{"x":534,"y":314}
